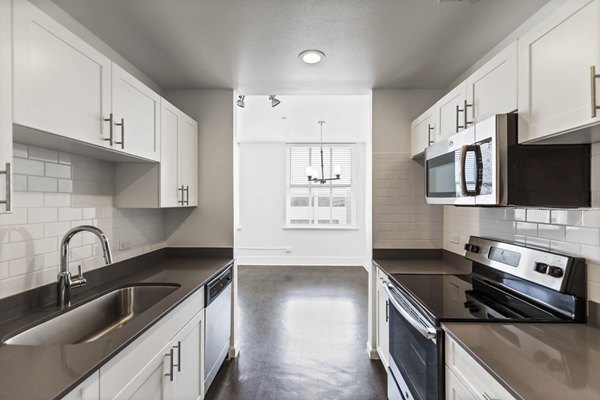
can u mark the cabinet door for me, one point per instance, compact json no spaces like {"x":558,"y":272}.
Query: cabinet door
{"x":492,"y":89}
{"x":455,"y":390}
{"x":189,"y":349}
{"x":61,"y":84}
{"x":382,"y":323}
{"x":188,"y":159}
{"x":450,"y":117}
{"x":423,"y":132}
{"x":136,"y":112}
{"x":6,"y":140}
{"x":555,"y":61}
{"x":170,"y":189}
{"x":154,"y":381}
{"x":88,"y":390}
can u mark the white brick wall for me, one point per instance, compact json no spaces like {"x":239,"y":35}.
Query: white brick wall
{"x":574,"y":232}
{"x":401,"y":217}
{"x":54,"y":192}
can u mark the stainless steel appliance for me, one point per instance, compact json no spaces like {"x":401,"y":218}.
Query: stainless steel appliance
{"x":485,"y":165}
{"x":217,"y":324}
{"x":509,"y":283}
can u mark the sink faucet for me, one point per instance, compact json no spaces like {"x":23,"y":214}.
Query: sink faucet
{"x":65,"y":281}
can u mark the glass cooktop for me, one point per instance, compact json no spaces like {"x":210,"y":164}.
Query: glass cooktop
{"x":466,"y":297}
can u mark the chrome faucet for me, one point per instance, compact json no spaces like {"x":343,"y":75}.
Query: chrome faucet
{"x":65,"y":281}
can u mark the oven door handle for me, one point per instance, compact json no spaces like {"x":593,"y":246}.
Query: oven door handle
{"x":427,"y":332}
{"x":463,"y":166}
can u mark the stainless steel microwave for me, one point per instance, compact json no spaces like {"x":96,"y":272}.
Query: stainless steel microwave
{"x":484,"y":165}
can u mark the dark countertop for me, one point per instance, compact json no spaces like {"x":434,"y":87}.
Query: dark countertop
{"x":49,"y":372}
{"x":536,"y":361}
{"x":423,"y":266}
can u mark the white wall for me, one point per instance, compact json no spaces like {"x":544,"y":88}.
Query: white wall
{"x":401,"y":217}
{"x":211,"y":223}
{"x":262,"y":134}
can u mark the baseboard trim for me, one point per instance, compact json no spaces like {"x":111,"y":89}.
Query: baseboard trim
{"x":373,"y":353}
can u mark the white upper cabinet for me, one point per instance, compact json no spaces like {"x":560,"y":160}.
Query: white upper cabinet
{"x":450,"y":112}
{"x":188,"y":160}
{"x":492,"y":89}
{"x":6,"y":137}
{"x":61,"y":84}
{"x":136,"y":115}
{"x":423,"y":131}
{"x":558,"y":91}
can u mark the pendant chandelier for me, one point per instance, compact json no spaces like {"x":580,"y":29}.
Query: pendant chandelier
{"x":314,"y":175}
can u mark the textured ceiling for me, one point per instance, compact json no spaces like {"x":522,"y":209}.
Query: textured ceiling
{"x":252,"y":45}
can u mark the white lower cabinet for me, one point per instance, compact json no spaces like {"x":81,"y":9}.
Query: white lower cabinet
{"x":382,"y":319}
{"x":165,"y":362}
{"x":467,"y":379}
{"x":88,"y":390}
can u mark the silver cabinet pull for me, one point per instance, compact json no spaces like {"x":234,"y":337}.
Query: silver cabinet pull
{"x":187,"y":195}
{"x":458,"y":111}
{"x":467,"y":122}
{"x":110,"y":130}
{"x":182,"y":190}
{"x":593,"y":77}
{"x":122,"y":125}
{"x":429,"y":129}
{"x":171,"y":366}
{"x":387,"y":311}
{"x":178,"y":347}
{"x":8,"y":200}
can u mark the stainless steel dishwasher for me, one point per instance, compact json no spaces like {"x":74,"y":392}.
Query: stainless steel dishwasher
{"x":217,"y":331}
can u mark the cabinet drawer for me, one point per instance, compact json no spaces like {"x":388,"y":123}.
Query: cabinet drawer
{"x":471,"y":374}
{"x":122,"y":369}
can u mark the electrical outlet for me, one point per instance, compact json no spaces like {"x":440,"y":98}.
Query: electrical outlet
{"x":454,"y":238}
{"x":124,"y":245}
{"x":288,"y":249}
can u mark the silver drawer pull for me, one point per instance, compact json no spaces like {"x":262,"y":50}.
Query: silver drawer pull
{"x":178,"y":365}
{"x":171,"y":366}
{"x":593,"y":77}
{"x":467,"y":105}
{"x":8,"y":201}
{"x":458,"y":111}
{"x":429,"y":129}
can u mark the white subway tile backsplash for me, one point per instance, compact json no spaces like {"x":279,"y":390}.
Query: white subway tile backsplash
{"x":41,"y":184}
{"x":590,"y":236}
{"x":526,"y":228}
{"x":542,"y":216}
{"x":566,"y":217}
{"x":58,"y":170}
{"x":590,"y":218}
{"x":553,"y":232}
{"x":49,"y":202}
{"x":38,"y":153}
{"x":28,"y":167}
{"x":591,"y":253}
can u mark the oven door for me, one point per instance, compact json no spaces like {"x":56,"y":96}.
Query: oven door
{"x":416,"y":358}
{"x":453,"y":170}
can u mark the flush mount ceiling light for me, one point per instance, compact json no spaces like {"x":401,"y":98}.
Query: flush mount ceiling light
{"x":312,"y":56}
{"x":240,"y":101}
{"x":274,"y":101}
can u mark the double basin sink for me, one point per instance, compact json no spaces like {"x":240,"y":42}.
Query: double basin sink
{"x":94,"y":319}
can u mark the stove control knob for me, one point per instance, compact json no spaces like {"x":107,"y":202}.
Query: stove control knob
{"x":541,"y":267}
{"x":472,"y":248}
{"x":555,"y":272}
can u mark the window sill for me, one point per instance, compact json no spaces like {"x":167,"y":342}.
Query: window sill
{"x":322,"y":227}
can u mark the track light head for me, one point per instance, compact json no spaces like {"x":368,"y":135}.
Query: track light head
{"x":274,"y":101}
{"x":240,"y":101}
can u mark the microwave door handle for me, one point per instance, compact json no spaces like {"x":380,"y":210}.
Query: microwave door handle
{"x":427,"y":332}
{"x":463,"y":169}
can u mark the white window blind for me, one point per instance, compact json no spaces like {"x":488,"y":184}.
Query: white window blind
{"x":316,"y":204}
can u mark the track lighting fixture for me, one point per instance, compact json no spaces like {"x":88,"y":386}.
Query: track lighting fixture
{"x":274,"y":101}
{"x":240,"y":101}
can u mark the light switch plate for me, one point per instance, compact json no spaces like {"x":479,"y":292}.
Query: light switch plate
{"x":454,"y":238}
{"x":124,"y":245}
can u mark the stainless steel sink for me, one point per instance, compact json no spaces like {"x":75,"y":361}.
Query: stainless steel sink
{"x":96,"y":318}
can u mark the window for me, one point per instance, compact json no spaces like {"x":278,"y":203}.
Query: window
{"x":314,"y":204}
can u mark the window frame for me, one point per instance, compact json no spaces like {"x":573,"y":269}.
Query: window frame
{"x":311,"y":185}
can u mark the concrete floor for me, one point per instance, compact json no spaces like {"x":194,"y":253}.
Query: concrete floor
{"x":303,"y":333}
